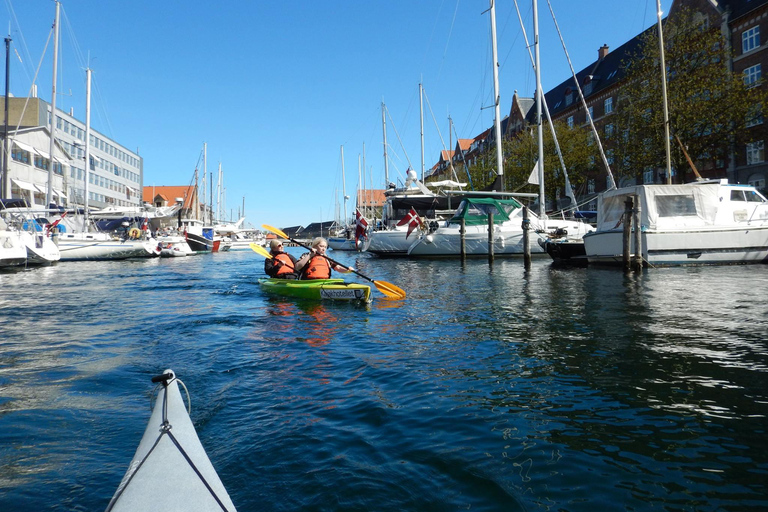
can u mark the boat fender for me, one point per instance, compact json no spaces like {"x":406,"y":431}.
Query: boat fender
{"x":433,"y":225}
{"x":134,"y":233}
{"x":429,"y":239}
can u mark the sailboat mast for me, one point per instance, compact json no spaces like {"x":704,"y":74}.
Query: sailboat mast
{"x":421,"y":116}
{"x":384,"y":129}
{"x":539,"y":125}
{"x":87,"y":170}
{"x":205,"y":175}
{"x":497,"y":101}
{"x":4,"y":173}
{"x":344,"y":187}
{"x":664,"y":94}
{"x":49,"y":194}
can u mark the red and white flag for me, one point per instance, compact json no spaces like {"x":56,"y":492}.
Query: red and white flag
{"x":361,"y":226}
{"x":145,"y":224}
{"x":412,"y":219}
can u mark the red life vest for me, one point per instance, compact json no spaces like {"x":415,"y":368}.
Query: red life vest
{"x":318,"y":267}
{"x":287,"y":264}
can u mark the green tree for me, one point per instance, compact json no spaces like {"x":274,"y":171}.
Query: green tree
{"x":709,"y":105}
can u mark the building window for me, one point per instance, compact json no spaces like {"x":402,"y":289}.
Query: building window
{"x":608,"y":105}
{"x":590,"y":186}
{"x":755,"y":152}
{"x":568,"y":96}
{"x":648,"y":176}
{"x":608,"y":130}
{"x":41,"y":163}
{"x":750,"y":39}
{"x":752,"y":75}
{"x":591,"y":112}
{"x":570,"y":121}
{"x":20,"y":155}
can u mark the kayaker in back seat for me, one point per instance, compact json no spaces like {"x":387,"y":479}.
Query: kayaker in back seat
{"x":314,"y":264}
{"x":281,"y":265}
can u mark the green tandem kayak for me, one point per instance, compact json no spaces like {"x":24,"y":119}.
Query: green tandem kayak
{"x":332,"y":289}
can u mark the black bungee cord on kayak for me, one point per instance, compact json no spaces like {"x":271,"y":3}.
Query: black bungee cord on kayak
{"x":165,"y":429}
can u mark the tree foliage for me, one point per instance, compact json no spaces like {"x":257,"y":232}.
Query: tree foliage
{"x":709,"y":105}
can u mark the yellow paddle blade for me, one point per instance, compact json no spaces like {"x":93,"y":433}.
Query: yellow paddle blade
{"x":389,"y":289}
{"x":276,"y":231}
{"x":260,"y":250}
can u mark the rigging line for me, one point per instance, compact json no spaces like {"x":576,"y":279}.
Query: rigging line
{"x":9,"y":4}
{"x":466,"y":167}
{"x":583,"y":101}
{"x":399,"y":139}
{"x":544,"y":101}
{"x":442,"y":141}
{"x":448,"y":40}
{"x":39,"y":65}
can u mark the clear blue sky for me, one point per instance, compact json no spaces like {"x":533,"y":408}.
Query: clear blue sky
{"x":276,"y":88}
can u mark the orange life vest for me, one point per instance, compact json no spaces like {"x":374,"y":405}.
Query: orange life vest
{"x":287,"y":264}
{"x":318,"y":267}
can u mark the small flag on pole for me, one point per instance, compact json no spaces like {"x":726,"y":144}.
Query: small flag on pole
{"x":361,"y":226}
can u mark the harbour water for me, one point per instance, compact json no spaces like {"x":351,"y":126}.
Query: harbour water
{"x":489,"y":388}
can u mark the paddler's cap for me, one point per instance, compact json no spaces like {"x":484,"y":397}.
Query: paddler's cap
{"x":274,"y":244}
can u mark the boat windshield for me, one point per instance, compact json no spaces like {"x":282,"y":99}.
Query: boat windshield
{"x":750,"y":196}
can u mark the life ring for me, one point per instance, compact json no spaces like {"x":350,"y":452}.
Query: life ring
{"x":134,"y":233}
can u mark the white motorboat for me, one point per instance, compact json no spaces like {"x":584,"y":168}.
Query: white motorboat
{"x":704,"y":222}
{"x":102,"y":246}
{"x":507,"y":237}
{"x":174,"y":247}
{"x":40,"y":249}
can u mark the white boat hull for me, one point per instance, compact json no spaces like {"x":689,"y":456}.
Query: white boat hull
{"x":13,"y":252}
{"x":395,"y":242}
{"x":507,"y":239}
{"x":672,"y":248}
{"x":338,"y":243}
{"x":93,"y":246}
{"x":41,"y":250}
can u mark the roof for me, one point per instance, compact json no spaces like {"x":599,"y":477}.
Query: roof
{"x":604,"y":73}
{"x":169,"y":194}
{"x":371,"y":197}
{"x":739,"y":8}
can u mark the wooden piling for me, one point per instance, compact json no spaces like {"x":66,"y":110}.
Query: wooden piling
{"x":638,"y":260}
{"x":462,"y":239}
{"x":526,"y":243}
{"x":490,"y":237}
{"x":626,"y":236}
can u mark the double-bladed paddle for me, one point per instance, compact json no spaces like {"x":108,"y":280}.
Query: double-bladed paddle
{"x":384,"y":287}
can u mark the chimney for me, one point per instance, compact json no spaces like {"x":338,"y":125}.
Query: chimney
{"x":71,"y":111}
{"x":602,"y":52}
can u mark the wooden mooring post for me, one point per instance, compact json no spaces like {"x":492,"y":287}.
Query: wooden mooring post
{"x":462,"y":239}
{"x":490,"y":237}
{"x":627,"y":233}
{"x":526,"y":237}
{"x":637,"y":262}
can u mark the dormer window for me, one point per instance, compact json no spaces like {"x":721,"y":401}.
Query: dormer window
{"x":588,"y":85}
{"x":568,"y":96}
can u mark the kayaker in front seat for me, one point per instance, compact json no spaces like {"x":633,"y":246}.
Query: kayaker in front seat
{"x":314,"y":264}
{"x":281,"y":265}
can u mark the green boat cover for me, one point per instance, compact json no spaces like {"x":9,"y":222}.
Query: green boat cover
{"x":475,"y":211}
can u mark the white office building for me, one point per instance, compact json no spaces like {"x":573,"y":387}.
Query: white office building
{"x":116,"y":173}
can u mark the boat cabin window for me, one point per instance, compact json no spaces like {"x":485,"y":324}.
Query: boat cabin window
{"x":751,"y":196}
{"x":676,"y":206}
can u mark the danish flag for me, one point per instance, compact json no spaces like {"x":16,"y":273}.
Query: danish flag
{"x":361,"y":225}
{"x":413,"y":220}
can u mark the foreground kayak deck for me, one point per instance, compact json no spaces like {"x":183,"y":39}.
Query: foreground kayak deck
{"x":170,"y":470}
{"x":317,"y":289}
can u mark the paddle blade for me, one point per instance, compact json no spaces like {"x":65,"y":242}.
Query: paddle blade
{"x":260,"y":250}
{"x":389,"y":290}
{"x":276,"y":231}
